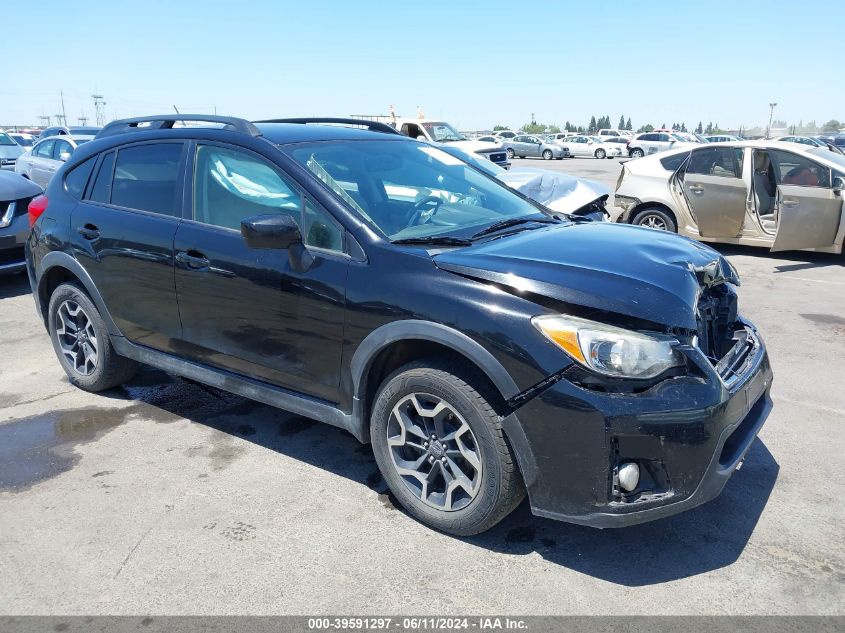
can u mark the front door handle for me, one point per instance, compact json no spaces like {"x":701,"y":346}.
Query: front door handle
{"x":192,"y":259}
{"x":89,"y":232}
{"x":789,"y":202}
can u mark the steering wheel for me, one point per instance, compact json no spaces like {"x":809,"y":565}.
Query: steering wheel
{"x":422,"y":214}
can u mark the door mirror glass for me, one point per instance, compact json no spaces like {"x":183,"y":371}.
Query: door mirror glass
{"x":64,"y":156}
{"x":270,"y":231}
{"x":838,"y":183}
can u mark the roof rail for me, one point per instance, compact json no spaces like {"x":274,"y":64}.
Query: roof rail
{"x":167,"y":121}
{"x":373,"y":126}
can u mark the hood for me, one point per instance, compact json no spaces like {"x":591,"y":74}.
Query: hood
{"x":14,"y":187}
{"x":475,"y":146}
{"x":10,"y":151}
{"x":634,"y":271}
{"x":559,"y":192}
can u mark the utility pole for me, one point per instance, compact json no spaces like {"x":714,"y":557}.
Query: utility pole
{"x":83,"y":120}
{"x":45,"y":120}
{"x":771,"y":115}
{"x":99,"y":109}
{"x":64,"y":116}
{"x":60,"y":119}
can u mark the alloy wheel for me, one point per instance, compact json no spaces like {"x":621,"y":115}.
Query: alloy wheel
{"x":434,"y":451}
{"x":77,"y":338}
{"x":653,"y":222}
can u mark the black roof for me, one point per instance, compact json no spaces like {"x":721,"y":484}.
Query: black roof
{"x":281,"y":133}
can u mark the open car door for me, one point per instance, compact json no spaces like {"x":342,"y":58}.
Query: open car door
{"x":808,"y":217}
{"x":715,"y":191}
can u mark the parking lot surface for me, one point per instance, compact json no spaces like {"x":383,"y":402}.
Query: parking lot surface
{"x":168,"y":497}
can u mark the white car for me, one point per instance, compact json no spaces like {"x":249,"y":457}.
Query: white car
{"x":613,"y":132}
{"x":441,"y":132}
{"x":655,"y":142}
{"x":590,"y":146}
{"x":779,"y":195}
{"x":40,"y":161}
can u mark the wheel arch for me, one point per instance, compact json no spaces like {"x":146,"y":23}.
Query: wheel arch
{"x":643,"y":206}
{"x":58,"y":267}
{"x":395,"y":344}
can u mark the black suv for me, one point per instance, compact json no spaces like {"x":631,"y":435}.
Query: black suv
{"x":484,"y":347}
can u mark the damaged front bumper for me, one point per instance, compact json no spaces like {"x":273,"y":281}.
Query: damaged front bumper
{"x":687,"y":434}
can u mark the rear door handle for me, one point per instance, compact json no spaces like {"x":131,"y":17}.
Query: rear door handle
{"x":89,"y":232}
{"x":195,"y":261}
{"x":696,"y":188}
{"x":789,"y":202}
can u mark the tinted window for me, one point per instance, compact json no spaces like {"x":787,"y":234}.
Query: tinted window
{"x":717,"y":161}
{"x":101,"y":192}
{"x":145,"y":177}
{"x":44,"y":150}
{"x":231,"y":185}
{"x":792,"y":169}
{"x":673,"y":162}
{"x":77,"y":178}
{"x":321,"y":231}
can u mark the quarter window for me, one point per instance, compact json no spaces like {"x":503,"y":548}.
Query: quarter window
{"x":717,"y":161}
{"x":146,"y":176}
{"x":77,"y":178}
{"x":101,"y":192}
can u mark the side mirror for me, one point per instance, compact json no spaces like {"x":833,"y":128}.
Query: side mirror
{"x":838,"y":185}
{"x":64,"y":156}
{"x":270,"y":231}
{"x":420,"y":137}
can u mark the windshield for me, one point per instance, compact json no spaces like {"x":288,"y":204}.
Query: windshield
{"x":22,"y":140}
{"x":439,"y":131}
{"x":5,"y":139}
{"x":411,"y":190}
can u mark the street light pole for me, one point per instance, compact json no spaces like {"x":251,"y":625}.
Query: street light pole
{"x":771,"y":115}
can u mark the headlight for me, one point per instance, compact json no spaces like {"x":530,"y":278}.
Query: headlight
{"x":610,"y":350}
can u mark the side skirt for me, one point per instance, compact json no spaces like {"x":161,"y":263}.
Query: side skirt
{"x":249,"y":388}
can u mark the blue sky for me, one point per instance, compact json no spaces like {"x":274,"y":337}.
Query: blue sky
{"x":472,"y":63}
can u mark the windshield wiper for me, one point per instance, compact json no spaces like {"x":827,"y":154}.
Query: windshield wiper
{"x":443,"y":240}
{"x":504,"y":224}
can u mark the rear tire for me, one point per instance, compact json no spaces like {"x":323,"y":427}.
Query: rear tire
{"x":510,"y":153}
{"x":636,"y":153}
{"x":655,"y":218}
{"x":444,"y":399}
{"x":81,"y":341}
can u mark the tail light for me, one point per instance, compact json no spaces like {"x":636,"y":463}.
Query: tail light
{"x":36,"y":208}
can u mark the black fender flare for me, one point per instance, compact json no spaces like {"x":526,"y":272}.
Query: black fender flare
{"x":396,"y":331}
{"x":64,"y":260}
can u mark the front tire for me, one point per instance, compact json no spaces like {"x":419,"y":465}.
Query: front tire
{"x":600,"y":153}
{"x":655,"y":218}
{"x":636,"y":153}
{"x":81,"y":341}
{"x":547,"y":154}
{"x":441,"y":449}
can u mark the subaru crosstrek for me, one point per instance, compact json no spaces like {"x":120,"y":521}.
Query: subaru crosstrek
{"x":486,"y":348}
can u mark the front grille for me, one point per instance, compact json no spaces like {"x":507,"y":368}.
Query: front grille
{"x":717,"y":312}
{"x":498,"y":157}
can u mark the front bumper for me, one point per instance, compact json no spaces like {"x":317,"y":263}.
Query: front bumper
{"x":687,"y":434}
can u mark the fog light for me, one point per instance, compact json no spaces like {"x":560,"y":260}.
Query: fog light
{"x":629,"y":476}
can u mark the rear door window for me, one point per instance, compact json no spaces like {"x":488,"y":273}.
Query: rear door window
{"x":717,"y":161}
{"x":146,"y":178}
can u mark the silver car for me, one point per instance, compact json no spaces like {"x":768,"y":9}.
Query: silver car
{"x":779,"y":195}
{"x":525,"y":146}
{"x":41,"y":160}
{"x":9,"y":151}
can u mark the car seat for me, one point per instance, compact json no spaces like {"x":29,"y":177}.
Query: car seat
{"x":764,"y":188}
